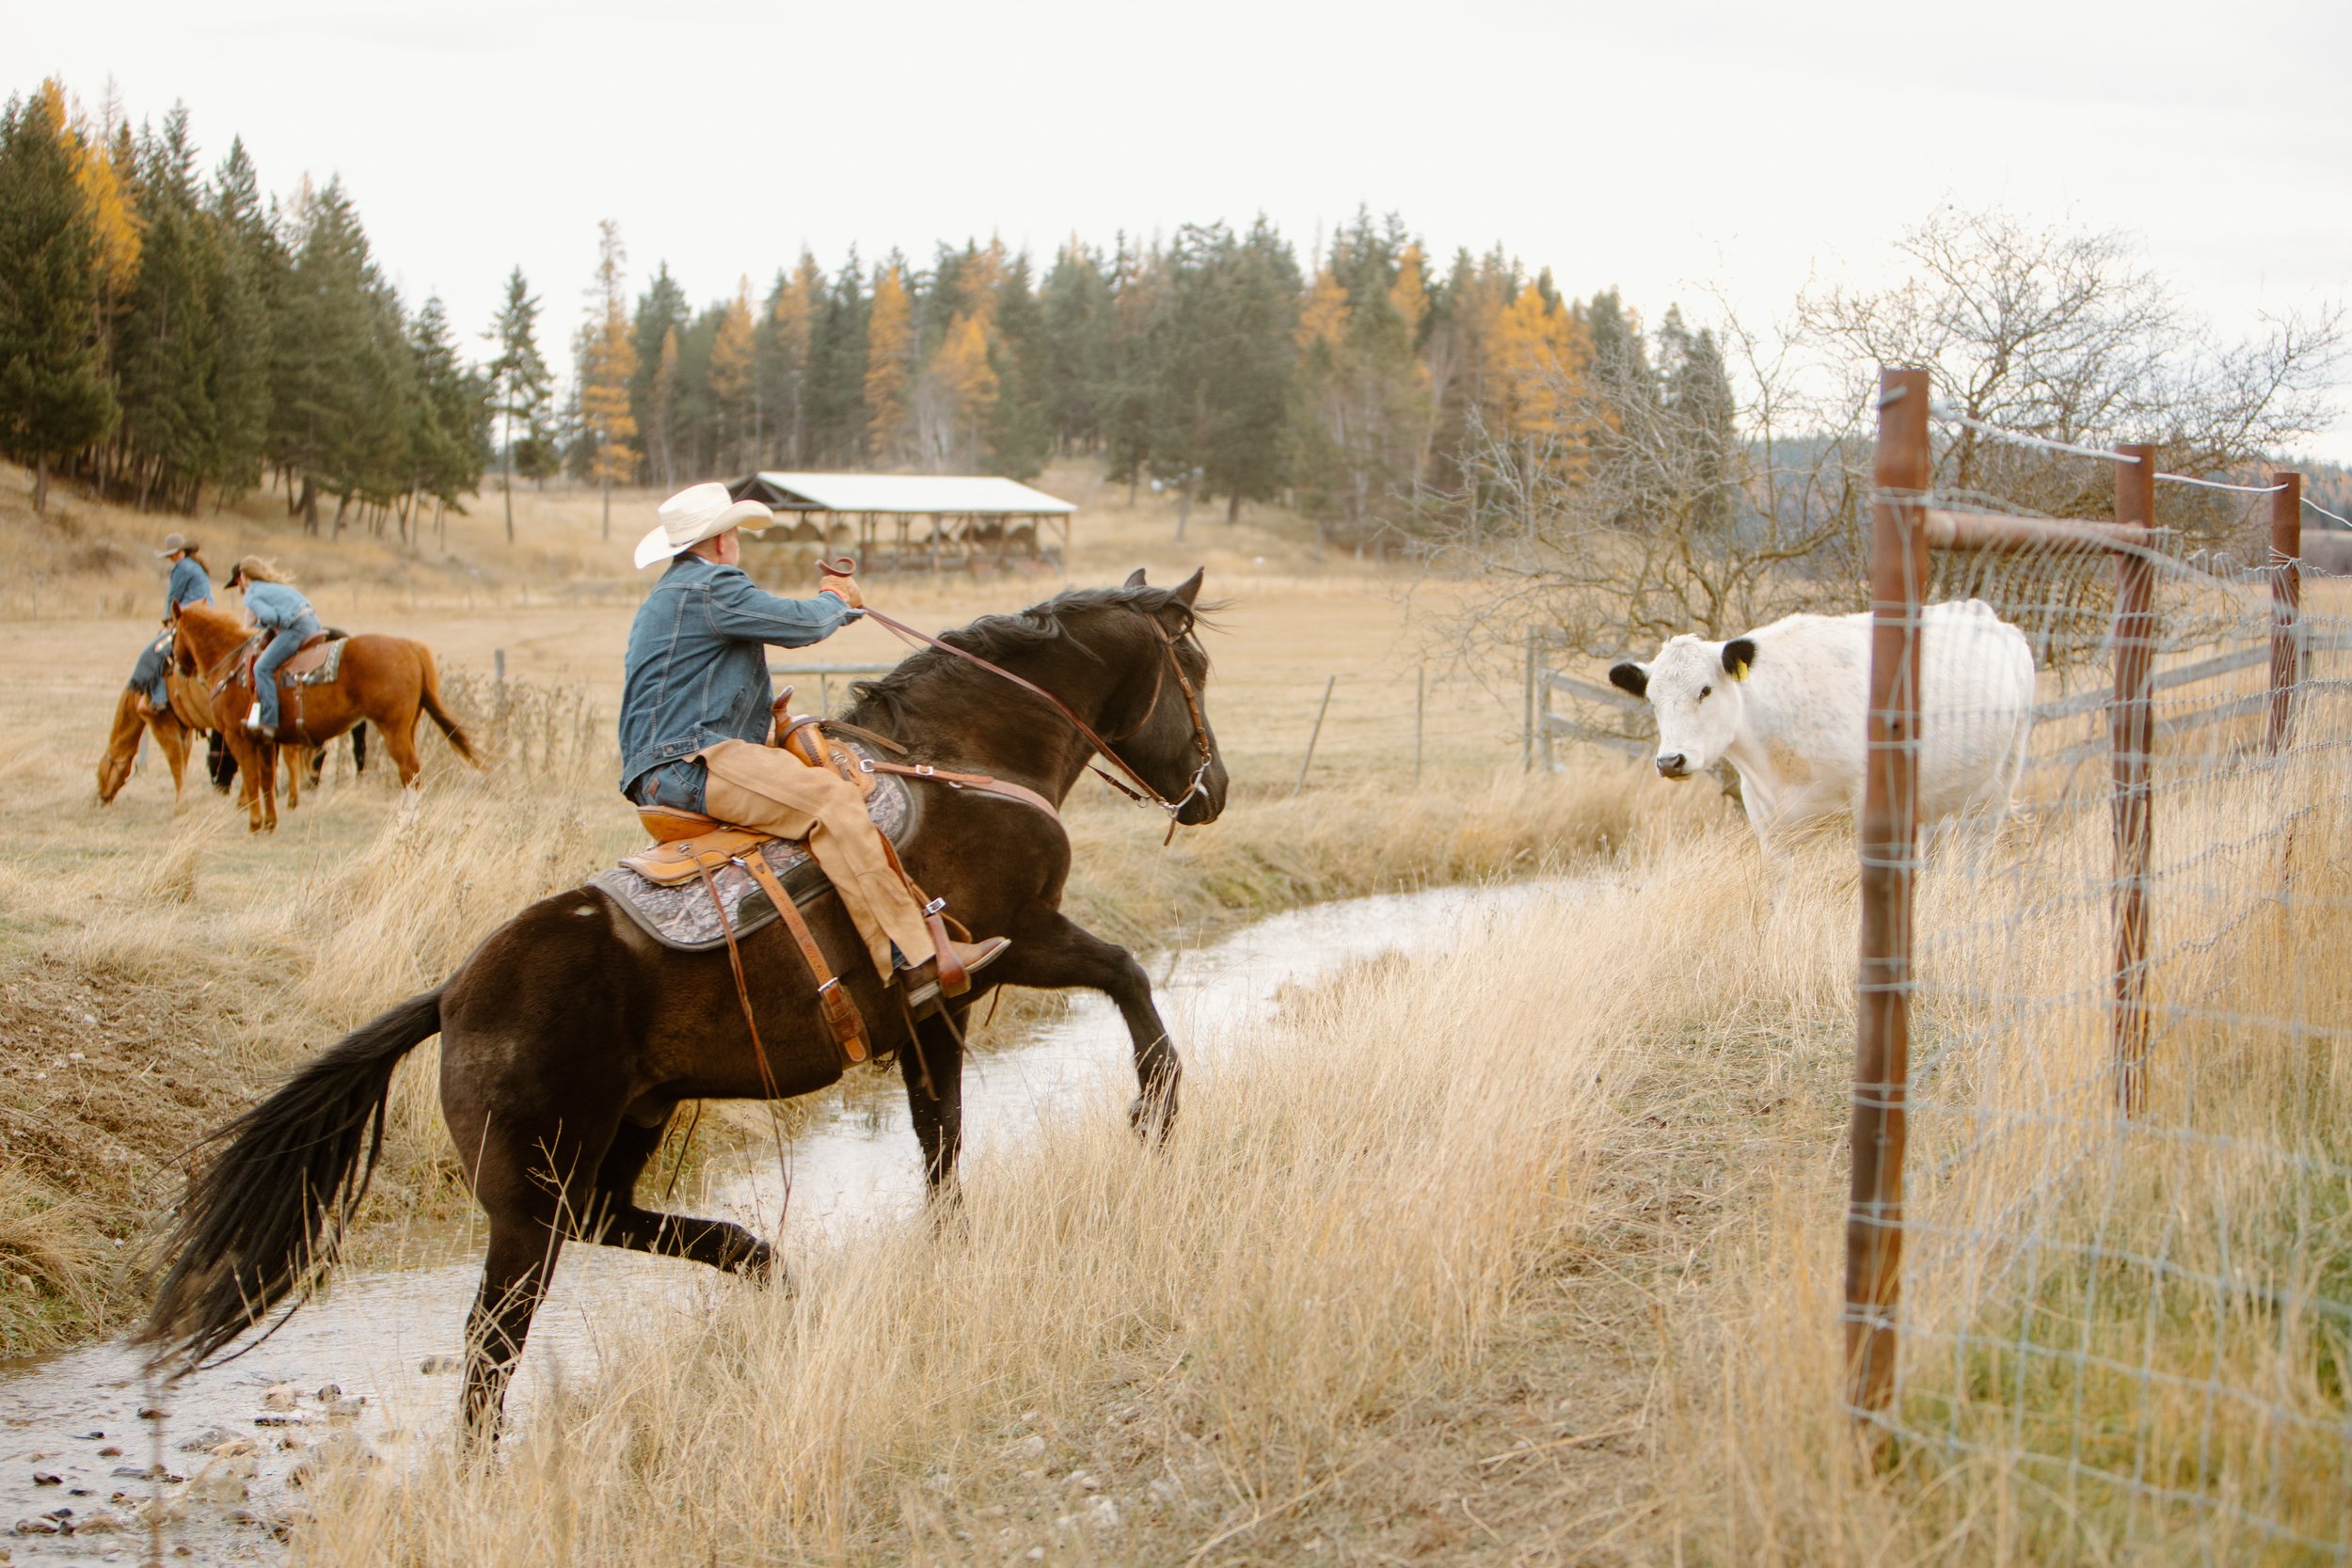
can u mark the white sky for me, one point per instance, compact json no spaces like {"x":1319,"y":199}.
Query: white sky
{"x":1661,"y":147}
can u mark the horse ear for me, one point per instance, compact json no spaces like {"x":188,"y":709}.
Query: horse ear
{"x":1190,"y":589}
{"x":1135,"y":579}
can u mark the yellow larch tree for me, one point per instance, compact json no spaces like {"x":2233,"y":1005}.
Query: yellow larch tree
{"x":889,"y":344}
{"x":794,"y":317}
{"x":968,"y":382}
{"x":1324,"y":317}
{"x":1541,"y":354}
{"x":731,"y":378}
{"x":609,"y":365}
{"x":1410,"y":294}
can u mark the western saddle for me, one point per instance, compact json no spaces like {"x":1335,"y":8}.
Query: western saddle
{"x":689,"y":846}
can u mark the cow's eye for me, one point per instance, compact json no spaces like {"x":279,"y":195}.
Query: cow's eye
{"x":1704,"y":690}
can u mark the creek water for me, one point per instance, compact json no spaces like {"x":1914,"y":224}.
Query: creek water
{"x":370,"y":1365}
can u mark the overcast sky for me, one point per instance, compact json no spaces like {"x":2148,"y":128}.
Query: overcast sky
{"x":1668,"y":149}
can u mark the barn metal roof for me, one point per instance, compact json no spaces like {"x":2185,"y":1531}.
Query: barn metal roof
{"x":963,"y":495}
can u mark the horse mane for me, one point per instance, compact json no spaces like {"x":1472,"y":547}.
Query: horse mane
{"x":999,"y":638}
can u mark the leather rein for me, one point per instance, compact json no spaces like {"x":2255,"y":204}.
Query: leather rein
{"x":1143,"y":789}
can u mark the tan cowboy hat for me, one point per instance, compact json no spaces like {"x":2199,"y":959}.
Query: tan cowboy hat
{"x":174,"y":544}
{"x":697,"y":513}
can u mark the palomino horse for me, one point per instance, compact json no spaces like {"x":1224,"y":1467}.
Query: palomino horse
{"x":189,"y":715}
{"x":387,"y":681}
{"x":570,"y":1035}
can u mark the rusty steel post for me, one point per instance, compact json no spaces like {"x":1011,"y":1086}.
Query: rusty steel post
{"x":1889,"y":844}
{"x":2132,"y":741}
{"x":2286,"y":601}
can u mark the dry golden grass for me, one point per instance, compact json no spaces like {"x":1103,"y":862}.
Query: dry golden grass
{"x":1531,"y":1254}
{"x":238,"y":955}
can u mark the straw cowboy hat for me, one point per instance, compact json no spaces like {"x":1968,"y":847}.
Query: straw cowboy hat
{"x":174,"y":544}
{"x":697,"y":513}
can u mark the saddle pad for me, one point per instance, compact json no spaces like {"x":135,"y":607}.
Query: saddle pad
{"x":316,"y":665}
{"x":681,"y":916}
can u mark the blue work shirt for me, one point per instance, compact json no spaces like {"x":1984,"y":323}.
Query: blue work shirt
{"x":190,"y":584}
{"x":275,"y":605}
{"x":697,"y":666}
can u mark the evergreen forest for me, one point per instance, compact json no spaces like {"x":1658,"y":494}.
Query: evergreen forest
{"x":171,"y":335}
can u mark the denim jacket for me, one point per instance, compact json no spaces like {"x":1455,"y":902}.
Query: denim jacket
{"x":697,"y":666}
{"x":189,"y":584}
{"x":275,"y":605}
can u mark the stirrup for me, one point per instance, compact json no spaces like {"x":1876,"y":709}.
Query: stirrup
{"x":922,"y":980}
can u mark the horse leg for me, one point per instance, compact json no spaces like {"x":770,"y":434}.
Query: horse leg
{"x":173,"y":737}
{"x":515,"y":1277}
{"x":1054,"y":952}
{"x":265,"y":760}
{"x":401,"y":740}
{"x":932,"y":1067}
{"x":617,"y":1221}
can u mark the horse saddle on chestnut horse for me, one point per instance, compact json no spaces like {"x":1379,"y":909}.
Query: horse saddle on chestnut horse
{"x":318,"y":662}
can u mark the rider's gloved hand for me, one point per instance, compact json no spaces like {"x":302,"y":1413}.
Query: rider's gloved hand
{"x":846,"y":589}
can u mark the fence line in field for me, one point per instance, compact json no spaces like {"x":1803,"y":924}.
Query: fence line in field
{"x":2130,"y":1267}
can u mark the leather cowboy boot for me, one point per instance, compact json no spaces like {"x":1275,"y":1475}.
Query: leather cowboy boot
{"x":928,"y":981}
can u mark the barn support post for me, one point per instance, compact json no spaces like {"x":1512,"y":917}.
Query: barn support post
{"x":2132,"y":740}
{"x":1902,"y":471}
{"x":2286,"y":602}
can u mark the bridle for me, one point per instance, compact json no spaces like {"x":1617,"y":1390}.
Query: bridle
{"x":1142,"y":788}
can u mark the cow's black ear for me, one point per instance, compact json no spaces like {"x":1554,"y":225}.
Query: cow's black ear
{"x":1629,"y":677}
{"x":1739,"y":656}
{"x":1135,"y":579}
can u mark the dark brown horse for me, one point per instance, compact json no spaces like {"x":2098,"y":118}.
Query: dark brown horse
{"x":385,"y":681}
{"x":569,"y":1037}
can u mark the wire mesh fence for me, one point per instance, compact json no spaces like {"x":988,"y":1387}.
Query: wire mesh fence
{"x":2101,"y":1228}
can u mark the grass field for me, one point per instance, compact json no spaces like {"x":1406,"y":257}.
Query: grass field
{"x":1528,"y":1255}
{"x":158,"y":965}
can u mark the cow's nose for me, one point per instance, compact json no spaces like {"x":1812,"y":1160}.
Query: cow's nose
{"x":1670,"y":764}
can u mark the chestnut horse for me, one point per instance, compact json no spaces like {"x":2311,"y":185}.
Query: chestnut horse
{"x":174,"y":728}
{"x":385,"y":681}
{"x":570,"y":1036}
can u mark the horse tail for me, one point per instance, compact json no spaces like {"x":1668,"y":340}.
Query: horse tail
{"x":263,"y":1219}
{"x":432,"y":701}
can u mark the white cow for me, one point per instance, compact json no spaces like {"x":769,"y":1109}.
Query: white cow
{"x":1786,"y":705}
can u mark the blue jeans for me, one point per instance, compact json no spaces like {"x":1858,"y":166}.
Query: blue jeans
{"x":280,"y":649}
{"x":148,"y":674}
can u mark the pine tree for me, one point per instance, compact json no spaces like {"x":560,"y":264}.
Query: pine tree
{"x":661,"y":314}
{"x":451,"y":419}
{"x":324,"y":321}
{"x":1019,"y":431}
{"x":521,"y":389}
{"x":1079,"y":321}
{"x":608,"y":366}
{"x":53,"y":395}
{"x":167,"y":345}
{"x":252,"y":265}
{"x":889,"y":347}
{"x":838,"y":361}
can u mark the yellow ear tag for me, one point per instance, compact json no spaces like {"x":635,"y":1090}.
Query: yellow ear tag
{"x":1740,"y":671}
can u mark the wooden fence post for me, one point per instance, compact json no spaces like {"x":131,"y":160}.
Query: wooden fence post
{"x":2286,"y":602}
{"x":2131,"y":739}
{"x":1889,"y":838}
{"x":1527,"y":715}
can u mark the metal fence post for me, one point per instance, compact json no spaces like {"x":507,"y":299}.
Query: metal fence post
{"x":2132,"y":738}
{"x":1527,"y":714}
{"x":2286,"y":602}
{"x":1889,"y":836}
{"x":1421,"y":702}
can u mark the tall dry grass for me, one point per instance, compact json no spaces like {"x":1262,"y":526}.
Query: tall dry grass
{"x":1589,"y":1166}
{"x":2124,"y":1338}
